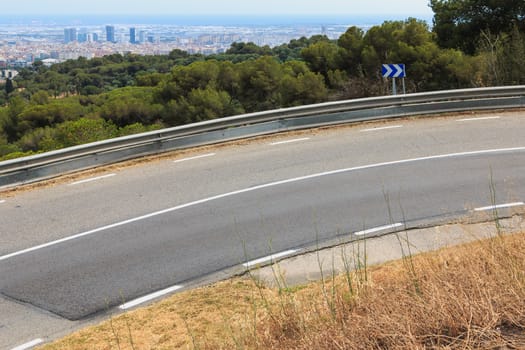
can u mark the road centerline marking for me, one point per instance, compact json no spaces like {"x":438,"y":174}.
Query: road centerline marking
{"x":270,"y":258}
{"x":289,"y":141}
{"x":194,"y":158}
{"x":476,"y":119}
{"x":92,"y":179}
{"x":378,"y":229}
{"x":29,"y":345}
{"x":382,"y":128}
{"x":255,"y":188}
{"x":149,"y":297}
{"x":500,"y":206}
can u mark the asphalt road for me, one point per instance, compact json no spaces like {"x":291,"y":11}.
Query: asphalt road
{"x":161,"y":224}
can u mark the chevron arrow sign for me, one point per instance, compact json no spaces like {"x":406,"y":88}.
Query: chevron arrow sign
{"x":393,"y":70}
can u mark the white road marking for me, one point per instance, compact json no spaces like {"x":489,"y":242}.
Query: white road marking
{"x":193,"y":158}
{"x":2,"y":201}
{"x":255,"y":188}
{"x":289,"y":141}
{"x":500,"y":206}
{"x":270,"y":258}
{"x":91,"y":179}
{"x":378,"y":229}
{"x":149,"y":297}
{"x":28,"y":345}
{"x":382,"y":128}
{"x":476,"y":119}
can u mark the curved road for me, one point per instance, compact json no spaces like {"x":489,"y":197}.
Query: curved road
{"x":76,"y":248}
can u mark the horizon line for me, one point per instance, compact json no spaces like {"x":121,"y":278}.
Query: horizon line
{"x":219,"y":14}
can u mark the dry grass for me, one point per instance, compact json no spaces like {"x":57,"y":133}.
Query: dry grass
{"x":466,"y":297}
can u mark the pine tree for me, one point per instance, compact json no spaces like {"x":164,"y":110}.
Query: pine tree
{"x":9,"y":88}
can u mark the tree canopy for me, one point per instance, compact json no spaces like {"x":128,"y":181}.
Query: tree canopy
{"x":459,"y":23}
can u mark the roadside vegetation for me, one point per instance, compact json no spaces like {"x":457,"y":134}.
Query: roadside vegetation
{"x":472,"y":44}
{"x":466,"y":297}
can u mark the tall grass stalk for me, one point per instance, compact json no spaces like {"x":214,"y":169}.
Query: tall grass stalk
{"x":493,"y":201}
{"x":404,"y":244}
{"x":114,"y":332}
{"x":227,"y":325}
{"x":257,"y":282}
{"x":329,"y":303}
{"x":190,"y":333}
{"x":130,"y":336}
{"x":333,"y":296}
{"x":254,"y":321}
{"x":347,"y":272}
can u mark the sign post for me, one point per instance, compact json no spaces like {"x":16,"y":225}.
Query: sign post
{"x":394,"y":71}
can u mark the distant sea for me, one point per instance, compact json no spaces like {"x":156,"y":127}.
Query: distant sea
{"x":208,"y":20}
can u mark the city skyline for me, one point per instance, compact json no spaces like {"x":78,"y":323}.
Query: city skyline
{"x":226,"y":7}
{"x":58,"y":37}
{"x":22,"y":45}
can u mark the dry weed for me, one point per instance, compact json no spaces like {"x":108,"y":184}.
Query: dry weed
{"x":469,"y":297}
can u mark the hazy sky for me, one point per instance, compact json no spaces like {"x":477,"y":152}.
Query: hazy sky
{"x":233,"y":7}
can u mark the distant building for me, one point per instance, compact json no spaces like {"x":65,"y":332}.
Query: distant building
{"x":82,"y":37}
{"x":48,"y":62}
{"x":142,"y":36}
{"x":110,"y":34}
{"x":70,"y":34}
{"x":19,"y":63}
{"x":8,"y":73}
{"x":132,"y":37}
{"x":94,"y":37}
{"x":151,"y":38}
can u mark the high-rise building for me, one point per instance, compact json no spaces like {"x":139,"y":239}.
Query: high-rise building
{"x":132,"y":37}
{"x":70,"y":34}
{"x":82,"y":37}
{"x":142,"y":36}
{"x":110,"y":34}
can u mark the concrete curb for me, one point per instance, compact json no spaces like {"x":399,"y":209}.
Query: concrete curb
{"x":301,"y":269}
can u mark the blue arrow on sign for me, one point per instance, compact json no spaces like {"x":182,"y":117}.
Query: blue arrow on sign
{"x":393,"y":70}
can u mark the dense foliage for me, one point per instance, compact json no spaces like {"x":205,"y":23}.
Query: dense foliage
{"x":463,"y":23}
{"x":82,"y":100}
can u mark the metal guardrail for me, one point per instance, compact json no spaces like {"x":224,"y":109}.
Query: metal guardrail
{"x":51,"y":164}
